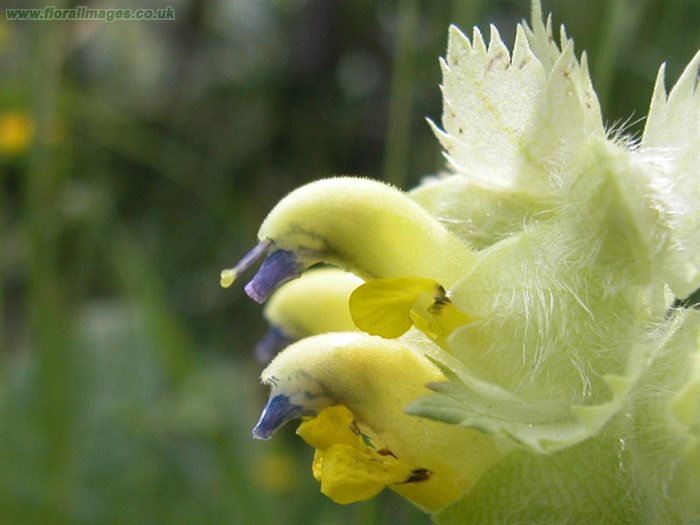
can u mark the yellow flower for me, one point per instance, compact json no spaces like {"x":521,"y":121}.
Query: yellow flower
{"x":16,"y":131}
{"x":315,"y":303}
{"x":275,"y":472}
{"x":371,"y":380}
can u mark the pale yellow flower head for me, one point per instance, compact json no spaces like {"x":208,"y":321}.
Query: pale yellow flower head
{"x":501,"y":344}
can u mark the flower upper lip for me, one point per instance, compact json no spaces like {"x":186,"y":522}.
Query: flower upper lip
{"x":389,"y":235}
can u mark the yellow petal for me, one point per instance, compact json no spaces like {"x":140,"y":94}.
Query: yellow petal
{"x":334,"y":425}
{"x":389,"y":307}
{"x":317,"y":465}
{"x":437,"y":318}
{"x":383,"y":306}
{"x":349,"y":475}
{"x":347,"y":463}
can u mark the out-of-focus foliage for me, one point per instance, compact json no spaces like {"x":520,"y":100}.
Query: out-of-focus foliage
{"x":138,"y":158}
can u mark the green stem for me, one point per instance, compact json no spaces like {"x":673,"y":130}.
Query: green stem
{"x":401,"y":95}
{"x":3,"y":322}
{"x":126,"y":260}
{"x":143,"y":284}
{"x":47,"y":318}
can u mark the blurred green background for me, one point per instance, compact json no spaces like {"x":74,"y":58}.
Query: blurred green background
{"x":137,"y":159}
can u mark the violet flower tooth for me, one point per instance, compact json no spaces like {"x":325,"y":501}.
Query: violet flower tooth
{"x":276,"y":413}
{"x":278,"y":268}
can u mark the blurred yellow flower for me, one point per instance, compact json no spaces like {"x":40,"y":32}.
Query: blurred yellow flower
{"x":275,"y":471}
{"x":16,"y":132}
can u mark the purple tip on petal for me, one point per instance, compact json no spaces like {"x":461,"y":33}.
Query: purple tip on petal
{"x":274,"y":341}
{"x":279,"y":267}
{"x":276,"y":413}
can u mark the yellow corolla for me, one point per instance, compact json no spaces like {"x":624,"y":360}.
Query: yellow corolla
{"x":315,"y":303}
{"x":367,"y":227}
{"x":353,"y":390}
